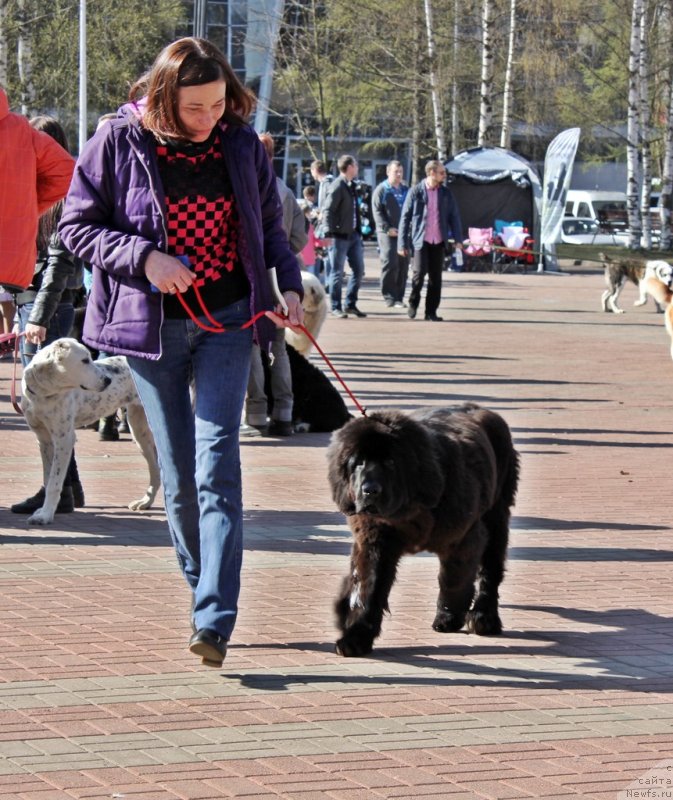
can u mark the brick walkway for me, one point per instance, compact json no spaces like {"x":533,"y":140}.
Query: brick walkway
{"x":100,"y":699}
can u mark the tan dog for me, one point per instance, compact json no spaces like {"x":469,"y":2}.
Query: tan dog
{"x":662,"y":295}
{"x":315,"y":312}
{"x":619,"y":271}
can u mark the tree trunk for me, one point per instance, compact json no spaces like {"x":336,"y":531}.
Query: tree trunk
{"x":646,"y":150}
{"x":3,"y":43}
{"x":440,"y":136}
{"x":24,"y":57}
{"x":417,"y":128}
{"x":666,"y":198}
{"x":455,"y":118}
{"x":506,"y":130}
{"x":634,"y":179}
{"x":486,"y":102}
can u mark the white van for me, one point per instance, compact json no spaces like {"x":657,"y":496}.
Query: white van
{"x":607,"y":207}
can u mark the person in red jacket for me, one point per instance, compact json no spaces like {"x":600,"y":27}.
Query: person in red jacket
{"x":36,"y":173}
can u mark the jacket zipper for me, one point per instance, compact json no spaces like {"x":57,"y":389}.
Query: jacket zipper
{"x":155,"y":198}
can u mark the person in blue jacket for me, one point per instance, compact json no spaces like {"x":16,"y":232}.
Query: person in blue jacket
{"x":176,"y":196}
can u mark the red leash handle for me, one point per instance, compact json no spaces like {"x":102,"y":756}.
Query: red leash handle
{"x":5,"y":339}
{"x":216,"y":327}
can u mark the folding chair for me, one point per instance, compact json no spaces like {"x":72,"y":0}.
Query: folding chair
{"x":477,"y":248}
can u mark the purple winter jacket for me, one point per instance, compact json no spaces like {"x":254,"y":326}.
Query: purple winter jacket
{"x":114,"y":216}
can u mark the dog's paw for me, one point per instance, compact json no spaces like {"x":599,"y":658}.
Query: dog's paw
{"x":640,"y":302}
{"x":484,"y":623}
{"x":40,"y":517}
{"x":141,"y":505}
{"x":353,"y":647}
{"x":445,"y":622}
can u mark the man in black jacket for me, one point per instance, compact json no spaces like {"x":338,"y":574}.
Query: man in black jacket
{"x":429,"y":219}
{"x":341,"y":221}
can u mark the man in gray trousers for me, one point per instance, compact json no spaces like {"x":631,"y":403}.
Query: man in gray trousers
{"x":387,"y":202}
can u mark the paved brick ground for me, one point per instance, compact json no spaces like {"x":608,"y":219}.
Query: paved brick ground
{"x":100,"y":699}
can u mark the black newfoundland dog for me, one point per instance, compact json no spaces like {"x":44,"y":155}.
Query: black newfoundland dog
{"x":441,"y":480}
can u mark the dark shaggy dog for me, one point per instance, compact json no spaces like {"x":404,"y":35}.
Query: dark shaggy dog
{"x":318,"y":406}
{"x":441,"y":480}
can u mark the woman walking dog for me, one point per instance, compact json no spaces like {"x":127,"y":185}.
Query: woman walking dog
{"x":180,"y":173}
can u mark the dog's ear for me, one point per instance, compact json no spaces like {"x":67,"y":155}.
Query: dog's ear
{"x":338,"y":474}
{"x":60,"y":349}
{"x":41,"y":375}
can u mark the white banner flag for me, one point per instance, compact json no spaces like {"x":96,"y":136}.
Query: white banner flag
{"x":558,"y":167}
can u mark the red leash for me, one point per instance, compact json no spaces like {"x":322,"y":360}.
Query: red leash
{"x":216,"y":327}
{"x":6,"y":347}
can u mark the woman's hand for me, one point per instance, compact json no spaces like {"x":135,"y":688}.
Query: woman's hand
{"x":167,"y":273}
{"x":295,"y":312}
{"x":35,"y":333}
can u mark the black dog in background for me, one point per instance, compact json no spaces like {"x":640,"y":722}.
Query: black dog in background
{"x":318,"y":405}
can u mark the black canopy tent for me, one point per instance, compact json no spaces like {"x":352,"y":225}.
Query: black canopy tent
{"x":492,"y":183}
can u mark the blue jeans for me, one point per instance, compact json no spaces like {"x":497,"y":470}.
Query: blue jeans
{"x":353,"y":250}
{"x":59,"y":325}
{"x":199,"y":453}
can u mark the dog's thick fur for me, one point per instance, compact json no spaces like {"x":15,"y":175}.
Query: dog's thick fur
{"x":619,"y":272}
{"x":441,"y":480}
{"x":315,"y":312}
{"x":63,"y":389}
{"x":317,"y":406}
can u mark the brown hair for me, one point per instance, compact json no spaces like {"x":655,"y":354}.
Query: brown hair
{"x":344,"y":162}
{"x":187,"y":62}
{"x":48,"y":221}
{"x":433,"y":166}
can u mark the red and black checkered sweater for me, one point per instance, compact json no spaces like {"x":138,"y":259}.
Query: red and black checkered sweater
{"x":202,"y":222}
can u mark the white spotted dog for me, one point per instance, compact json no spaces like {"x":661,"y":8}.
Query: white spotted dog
{"x":64,"y":389}
{"x":619,"y":271}
{"x":315,"y":312}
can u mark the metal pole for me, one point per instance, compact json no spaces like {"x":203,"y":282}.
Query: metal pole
{"x":82,"y":76}
{"x":266,"y":83}
{"x":200,"y":18}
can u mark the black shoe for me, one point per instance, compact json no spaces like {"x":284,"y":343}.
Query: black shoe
{"x":355,"y":311}
{"x":77,"y":494}
{"x":107,"y":429}
{"x":210,"y":646}
{"x":278,"y":427}
{"x":411,"y":312}
{"x":433,"y":318}
{"x":65,"y":505}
